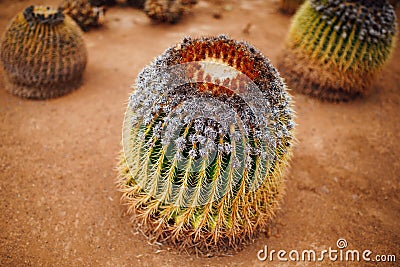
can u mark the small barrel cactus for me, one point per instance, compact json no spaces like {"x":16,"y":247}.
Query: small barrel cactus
{"x":87,"y":13}
{"x":289,"y":6}
{"x":43,"y":53}
{"x":167,"y":10}
{"x":207,"y":134}
{"x":336,"y":48}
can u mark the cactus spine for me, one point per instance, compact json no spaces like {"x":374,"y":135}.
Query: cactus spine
{"x":335,"y":48}
{"x":42,"y":53}
{"x":206,"y":181}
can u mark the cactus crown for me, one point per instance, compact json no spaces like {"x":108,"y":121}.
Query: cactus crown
{"x":374,"y":20}
{"x":207,"y":132}
{"x":350,"y":34}
{"x":43,"y":15}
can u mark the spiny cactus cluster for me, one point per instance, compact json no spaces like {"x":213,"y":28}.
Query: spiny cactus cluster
{"x":335,"y":48}
{"x":289,"y":6}
{"x":42,"y":53}
{"x":87,"y":13}
{"x":167,"y":10}
{"x":207,"y":134}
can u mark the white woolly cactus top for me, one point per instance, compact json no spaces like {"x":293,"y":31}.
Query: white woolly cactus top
{"x":375,"y":19}
{"x":169,"y":97}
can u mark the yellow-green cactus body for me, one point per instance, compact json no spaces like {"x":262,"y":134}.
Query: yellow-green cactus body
{"x":335,"y":48}
{"x":207,"y":134}
{"x":42,"y":53}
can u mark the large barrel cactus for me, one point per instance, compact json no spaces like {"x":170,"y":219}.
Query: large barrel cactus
{"x":87,"y":13}
{"x":42,"y":53}
{"x":207,"y":134}
{"x":167,"y":10}
{"x":336,"y":48}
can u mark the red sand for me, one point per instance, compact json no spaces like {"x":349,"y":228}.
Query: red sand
{"x":59,"y":204}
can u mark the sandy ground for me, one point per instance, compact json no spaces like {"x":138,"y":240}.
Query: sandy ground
{"x":58,"y":202}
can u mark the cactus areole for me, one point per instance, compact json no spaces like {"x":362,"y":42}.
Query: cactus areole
{"x":42,"y":53}
{"x":208,"y":131}
{"x":335,"y":48}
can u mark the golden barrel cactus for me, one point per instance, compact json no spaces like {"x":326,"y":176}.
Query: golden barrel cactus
{"x":207,"y":134}
{"x":42,"y":53}
{"x":335,"y":48}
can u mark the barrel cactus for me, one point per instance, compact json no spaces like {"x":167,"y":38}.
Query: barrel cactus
{"x":207,"y":134}
{"x":289,"y":6}
{"x":336,"y":48}
{"x":167,"y":10}
{"x":42,"y":53}
{"x":87,"y":13}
